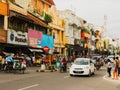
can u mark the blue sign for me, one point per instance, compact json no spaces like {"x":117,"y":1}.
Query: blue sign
{"x":47,"y":41}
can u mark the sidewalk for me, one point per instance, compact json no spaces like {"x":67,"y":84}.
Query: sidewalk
{"x":110,"y":79}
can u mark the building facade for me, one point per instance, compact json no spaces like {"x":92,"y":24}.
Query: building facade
{"x":73,"y":32}
{"x":58,"y":32}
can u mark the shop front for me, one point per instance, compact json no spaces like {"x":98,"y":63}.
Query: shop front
{"x":69,"y":47}
{"x":76,"y":48}
{"x":17,"y":42}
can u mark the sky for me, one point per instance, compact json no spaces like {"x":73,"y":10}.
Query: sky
{"x":93,"y":11}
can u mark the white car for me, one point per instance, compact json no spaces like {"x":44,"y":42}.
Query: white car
{"x":110,"y":57}
{"x":82,"y":66}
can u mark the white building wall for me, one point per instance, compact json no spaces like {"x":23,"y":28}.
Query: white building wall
{"x":72,"y":24}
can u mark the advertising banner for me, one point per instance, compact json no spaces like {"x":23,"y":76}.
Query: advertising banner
{"x":17,"y":37}
{"x":34,"y":38}
{"x":47,"y":41}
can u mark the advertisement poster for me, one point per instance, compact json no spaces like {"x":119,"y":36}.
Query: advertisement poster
{"x":47,"y":41}
{"x":34,"y":38}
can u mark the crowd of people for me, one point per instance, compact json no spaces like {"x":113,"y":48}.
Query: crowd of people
{"x":58,"y":61}
{"x":113,"y":68}
{"x":9,"y":62}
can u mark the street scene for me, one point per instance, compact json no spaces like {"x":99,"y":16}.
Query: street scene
{"x":59,"y":45}
{"x":48,"y":80}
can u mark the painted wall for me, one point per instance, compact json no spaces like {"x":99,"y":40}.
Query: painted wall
{"x":4,"y":9}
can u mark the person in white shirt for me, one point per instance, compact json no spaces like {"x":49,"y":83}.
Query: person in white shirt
{"x":109,"y":67}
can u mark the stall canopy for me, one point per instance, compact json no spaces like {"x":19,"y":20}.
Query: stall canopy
{"x":36,"y":50}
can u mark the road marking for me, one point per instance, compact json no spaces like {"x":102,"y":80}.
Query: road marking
{"x":66,"y":76}
{"x":28,"y":87}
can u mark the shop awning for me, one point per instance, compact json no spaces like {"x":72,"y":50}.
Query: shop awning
{"x":36,"y":50}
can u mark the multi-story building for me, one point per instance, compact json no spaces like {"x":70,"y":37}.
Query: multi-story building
{"x":73,"y":30}
{"x":98,"y":40}
{"x":26,"y":23}
{"x":57,"y":30}
{"x":85,"y":38}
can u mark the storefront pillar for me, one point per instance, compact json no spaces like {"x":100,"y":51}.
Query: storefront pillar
{"x":5,"y":22}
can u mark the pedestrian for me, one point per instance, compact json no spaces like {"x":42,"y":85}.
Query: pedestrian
{"x":116,"y":68}
{"x":109,"y":67}
{"x":113,"y":68}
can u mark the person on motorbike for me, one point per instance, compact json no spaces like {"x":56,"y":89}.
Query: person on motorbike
{"x":9,"y":62}
{"x":97,"y":64}
{"x":64,"y":65}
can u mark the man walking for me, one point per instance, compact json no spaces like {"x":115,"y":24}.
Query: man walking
{"x":109,"y":67}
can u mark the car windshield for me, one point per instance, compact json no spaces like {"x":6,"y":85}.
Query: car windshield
{"x":81,"y":62}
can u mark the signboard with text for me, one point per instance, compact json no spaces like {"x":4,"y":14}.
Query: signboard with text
{"x":17,"y":37}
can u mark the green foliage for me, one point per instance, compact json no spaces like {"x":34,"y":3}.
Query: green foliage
{"x":47,"y":18}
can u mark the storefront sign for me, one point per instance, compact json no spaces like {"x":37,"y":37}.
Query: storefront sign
{"x":35,"y":38}
{"x":3,"y":36}
{"x":19,"y":37}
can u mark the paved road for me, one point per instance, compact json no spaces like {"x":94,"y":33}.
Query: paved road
{"x":33,"y":80}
